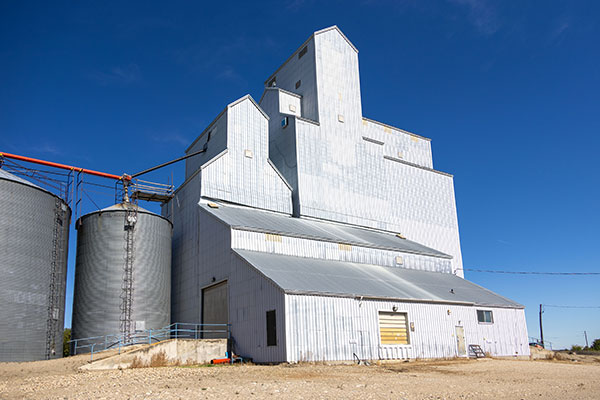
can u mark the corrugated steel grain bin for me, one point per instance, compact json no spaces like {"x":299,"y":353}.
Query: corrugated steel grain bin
{"x":34,"y":238}
{"x":100,"y":272}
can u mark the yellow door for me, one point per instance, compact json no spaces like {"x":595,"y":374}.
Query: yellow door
{"x":393,"y":328}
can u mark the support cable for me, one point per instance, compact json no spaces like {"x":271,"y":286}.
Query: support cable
{"x":492,"y":271}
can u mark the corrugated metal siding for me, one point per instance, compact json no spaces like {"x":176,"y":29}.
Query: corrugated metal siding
{"x":214,"y":146}
{"x":282,"y":141}
{"x":201,"y":246}
{"x":183,"y":213}
{"x":243,"y":175}
{"x":257,"y":241}
{"x":398,"y":144}
{"x":290,"y":104}
{"x":261,"y":221}
{"x":28,"y":219}
{"x":381,"y":193}
{"x":303,"y":69}
{"x":251,"y":296}
{"x":333,"y":328}
{"x":99,"y":273}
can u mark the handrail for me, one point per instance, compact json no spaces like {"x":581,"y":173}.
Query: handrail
{"x":177,"y":330}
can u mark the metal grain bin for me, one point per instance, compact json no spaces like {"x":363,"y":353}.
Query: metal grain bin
{"x":34,"y":237}
{"x":122,"y":272}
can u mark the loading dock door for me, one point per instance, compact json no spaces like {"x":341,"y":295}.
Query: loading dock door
{"x":215,"y":310}
{"x":460,"y":341}
{"x":393,"y":328}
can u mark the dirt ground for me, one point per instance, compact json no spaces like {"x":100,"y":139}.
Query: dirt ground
{"x":456,"y":379}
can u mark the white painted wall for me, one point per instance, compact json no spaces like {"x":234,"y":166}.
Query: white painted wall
{"x":333,"y":328}
{"x":298,"y":247}
{"x":251,"y":296}
{"x":243,"y":175}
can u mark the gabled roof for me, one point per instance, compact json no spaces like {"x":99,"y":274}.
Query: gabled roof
{"x":244,"y":218}
{"x":209,"y":127}
{"x":306,"y":42}
{"x":340,"y":32}
{"x":297,"y":275}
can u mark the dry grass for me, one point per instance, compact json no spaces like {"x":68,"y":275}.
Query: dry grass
{"x":157,"y":360}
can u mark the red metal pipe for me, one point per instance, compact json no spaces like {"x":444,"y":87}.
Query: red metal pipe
{"x":64,"y":166}
{"x":220,"y":361}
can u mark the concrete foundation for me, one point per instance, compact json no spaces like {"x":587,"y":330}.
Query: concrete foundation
{"x":168,"y":352}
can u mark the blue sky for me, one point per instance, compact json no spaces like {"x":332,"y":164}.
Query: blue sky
{"x":509,"y":93}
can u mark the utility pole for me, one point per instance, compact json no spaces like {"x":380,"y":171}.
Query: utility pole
{"x":586,"y":342}
{"x":541,"y":329}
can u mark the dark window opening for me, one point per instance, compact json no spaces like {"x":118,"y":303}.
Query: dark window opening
{"x":485,"y":317}
{"x":302,"y":52}
{"x":272,"y":82}
{"x":298,"y":84}
{"x":271,"y":329}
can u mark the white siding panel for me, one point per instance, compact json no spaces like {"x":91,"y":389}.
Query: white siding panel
{"x":290,"y":104}
{"x":298,"y":247}
{"x":215,"y":144}
{"x":182,"y":210}
{"x":334,"y":328}
{"x":399,"y":144}
{"x":251,"y":296}
{"x":244,"y":175}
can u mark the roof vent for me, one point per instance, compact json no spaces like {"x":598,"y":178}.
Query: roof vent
{"x":400,"y":236}
{"x":213,"y":205}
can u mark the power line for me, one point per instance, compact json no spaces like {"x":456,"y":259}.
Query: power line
{"x":555,"y":306}
{"x":493,"y":271}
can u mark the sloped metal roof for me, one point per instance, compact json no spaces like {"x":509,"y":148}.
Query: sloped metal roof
{"x":282,"y":224}
{"x":315,"y":276}
{"x":5,"y":175}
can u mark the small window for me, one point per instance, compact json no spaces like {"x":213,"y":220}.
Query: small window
{"x":340,"y":118}
{"x":284,"y":122}
{"x":393,"y":328}
{"x":302,"y":52}
{"x":298,"y":84}
{"x":271,"y":329}
{"x":248,"y":153}
{"x":292,"y":108}
{"x":485,"y":317}
{"x":273,"y":82}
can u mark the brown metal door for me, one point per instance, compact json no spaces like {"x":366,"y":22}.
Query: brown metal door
{"x":215,"y":310}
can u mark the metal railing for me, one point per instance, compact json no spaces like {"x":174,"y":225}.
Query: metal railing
{"x":546,"y":344}
{"x":178,"y":330}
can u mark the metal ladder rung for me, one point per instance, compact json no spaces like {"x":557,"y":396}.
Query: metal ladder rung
{"x":476,"y":349}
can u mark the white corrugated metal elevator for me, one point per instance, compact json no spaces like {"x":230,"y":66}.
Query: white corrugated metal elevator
{"x":319,"y":234}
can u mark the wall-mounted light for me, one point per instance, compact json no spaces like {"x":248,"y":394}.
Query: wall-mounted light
{"x":449,"y":312}
{"x":395,"y":308}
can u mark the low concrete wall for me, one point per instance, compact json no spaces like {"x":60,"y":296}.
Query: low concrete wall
{"x":168,"y":352}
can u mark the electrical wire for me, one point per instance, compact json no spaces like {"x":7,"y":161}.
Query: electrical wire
{"x":493,"y":271}
{"x":555,"y":306}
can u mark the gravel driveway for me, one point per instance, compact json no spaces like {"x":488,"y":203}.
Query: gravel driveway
{"x":461,"y":379}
